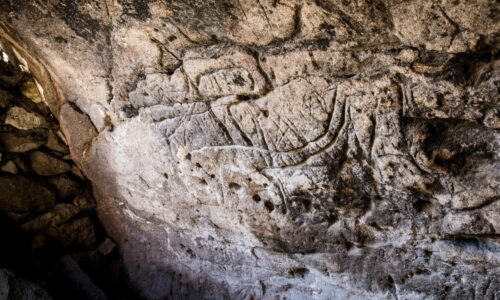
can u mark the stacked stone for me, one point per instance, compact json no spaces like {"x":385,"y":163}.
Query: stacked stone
{"x":42,"y":192}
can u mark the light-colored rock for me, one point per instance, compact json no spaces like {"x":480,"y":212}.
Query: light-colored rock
{"x":284,"y":149}
{"x":10,"y":167}
{"x":20,"y":118}
{"x":48,"y":165}
{"x":421,"y":23}
{"x":80,"y":134}
{"x":30,"y":90}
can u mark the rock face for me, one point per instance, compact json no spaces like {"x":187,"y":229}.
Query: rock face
{"x":49,"y":231}
{"x":282,"y":149}
{"x":13,"y":287}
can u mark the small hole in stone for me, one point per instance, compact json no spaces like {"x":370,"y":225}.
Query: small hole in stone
{"x":331,"y":219}
{"x":61,"y":40}
{"x":422,"y":205}
{"x":265,"y":113}
{"x":256,"y":198}
{"x":203,"y":181}
{"x":212,"y":176}
{"x":307,"y":204}
{"x":165,"y":175}
{"x":298,"y":272}
{"x":198,"y":165}
{"x":244,"y":97}
{"x":188,"y":156}
{"x":234,"y":186}
{"x":190,"y":252}
{"x":269,"y":206}
{"x":390,"y":282}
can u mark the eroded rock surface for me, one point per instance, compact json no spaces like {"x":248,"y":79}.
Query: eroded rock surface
{"x":269,"y":149}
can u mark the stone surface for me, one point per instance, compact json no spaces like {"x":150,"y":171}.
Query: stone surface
{"x":66,"y":187}
{"x":79,"y":134}
{"x":70,"y":274}
{"x":22,"y":119}
{"x":284,"y":149}
{"x":30,"y":90}
{"x":5,"y":98}
{"x":84,"y":202}
{"x":48,"y":165}
{"x":38,"y":204}
{"x":13,"y":287}
{"x":58,"y":215}
{"x":55,"y":143}
{"x":20,"y":194}
{"x":13,"y":142}
{"x":106,"y":247}
{"x":76,"y":233}
{"x":10,"y":167}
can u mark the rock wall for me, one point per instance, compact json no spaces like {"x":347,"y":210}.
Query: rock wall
{"x":48,"y":226}
{"x":282,"y":149}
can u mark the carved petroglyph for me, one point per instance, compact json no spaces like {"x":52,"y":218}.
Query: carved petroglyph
{"x":346,"y":143}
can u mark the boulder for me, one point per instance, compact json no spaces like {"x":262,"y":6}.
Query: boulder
{"x":84,"y":202}
{"x":107,"y":247}
{"x":20,"y":194}
{"x":79,"y":134}
{"x":30,"y":90}
{"x":58,"y":215}
{"x":76,"y":233}
{"x":10,"y":167}
{"x":20,"y":118}
{"x":65,"y":186}
{"x":55,"y":143}
{"x":48,"y":165}
{"x":14,"y":142}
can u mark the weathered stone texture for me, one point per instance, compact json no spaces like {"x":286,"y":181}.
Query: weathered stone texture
{"x":39,"y":226}
{"x":270,"y":149}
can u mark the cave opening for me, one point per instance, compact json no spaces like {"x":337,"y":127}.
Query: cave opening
{"x":53,"y":245}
